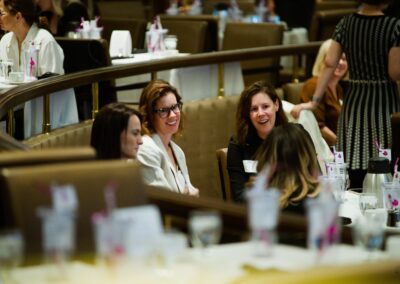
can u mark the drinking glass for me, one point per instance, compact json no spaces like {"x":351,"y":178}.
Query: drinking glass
{"x":205,"y":228}
{"x":11,"y":253}
{"x":367,"y":201}
{"x":368,"y":231}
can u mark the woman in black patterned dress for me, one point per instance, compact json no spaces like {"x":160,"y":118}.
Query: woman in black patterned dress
{"x":371,"y":42}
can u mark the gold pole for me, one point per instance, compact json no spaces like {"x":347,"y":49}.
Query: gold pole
{"x":46,"y":114}
{"x":95,"y":99}
{"x":221,"y":80}
{"x":10,"y":126}
{"x":153,"y":75}
{"x":295,"y":68}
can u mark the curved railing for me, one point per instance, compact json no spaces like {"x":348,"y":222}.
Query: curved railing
{"x":20,"y":94}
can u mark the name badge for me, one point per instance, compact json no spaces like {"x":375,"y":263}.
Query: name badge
{"x":250,"y":166}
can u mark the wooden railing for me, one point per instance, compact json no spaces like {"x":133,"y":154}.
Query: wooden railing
{"x":18,"y":95}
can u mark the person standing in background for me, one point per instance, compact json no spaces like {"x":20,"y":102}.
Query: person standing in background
{"x":371,"y":42}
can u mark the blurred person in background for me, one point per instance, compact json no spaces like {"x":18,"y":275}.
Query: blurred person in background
{"x":116,"y":132}
{"x":371,"y":42}
{"x":328,"y":110}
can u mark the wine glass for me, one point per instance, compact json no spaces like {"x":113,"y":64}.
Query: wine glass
{"x":367,"y":201}
{"x":11,"y":252}
{"x":205,"y":228}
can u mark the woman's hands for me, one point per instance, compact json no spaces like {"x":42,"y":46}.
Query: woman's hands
{"x":191,"y":190}
{"x":295,"y":112}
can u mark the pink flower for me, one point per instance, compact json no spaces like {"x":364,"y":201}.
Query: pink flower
{"x":395,"y":203}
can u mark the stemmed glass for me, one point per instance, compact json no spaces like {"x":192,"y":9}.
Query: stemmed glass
{"x":11,"y":253}
{"x":205,"y":228}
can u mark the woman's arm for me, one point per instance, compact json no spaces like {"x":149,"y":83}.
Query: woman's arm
{"x":330,"y":63}
{"x":394,"y":63}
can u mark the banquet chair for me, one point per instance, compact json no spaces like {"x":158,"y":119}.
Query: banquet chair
{"x":211,"y":38}
{"x":191,"y":34}
{"x":246,"y":35}
{"x":123,"y":10}
{"x":222,"y":155}
{"x":26,"y":189}
{"x":324,"y":22}
{"x":291,"y":92}
{"x":84,"y":54}
{"x":137,"y":28}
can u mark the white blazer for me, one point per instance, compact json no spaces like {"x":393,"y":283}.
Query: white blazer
{"x":157,"y":168}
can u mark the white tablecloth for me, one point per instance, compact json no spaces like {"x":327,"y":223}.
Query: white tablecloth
{"x":63,"y":110}
{"x":221,"y":264}
{"x":192,"y":83}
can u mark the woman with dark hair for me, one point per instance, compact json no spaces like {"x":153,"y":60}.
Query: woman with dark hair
{"x":18,"y":17}
{"x":116,"y":132}
{"x":259,"y":111}
{"x":371,"y":42}
{"x":62,"y":19}
{"x":294,"y":169}
{"x":164,"y":163}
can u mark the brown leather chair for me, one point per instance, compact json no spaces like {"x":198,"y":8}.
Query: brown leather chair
{"x":123,"y":9}
{"x":137,"y":28}
{"x":324,"y":22}
{"x":222,"y":156}
{"x":291,"y":92}
{"x":25,"y":189}
{"x":335,"y":5}
{"x":211,"y":41}
{"x":191,"y":34}
{"x":246,"y":35}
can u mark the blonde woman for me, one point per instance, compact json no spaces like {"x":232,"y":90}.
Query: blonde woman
{"x":290,"y":152}
{"x":328,"y":110}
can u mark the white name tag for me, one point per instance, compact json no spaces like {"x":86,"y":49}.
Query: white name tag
{"x":250,"y":166}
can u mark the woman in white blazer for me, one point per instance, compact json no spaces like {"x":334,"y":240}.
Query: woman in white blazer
{"x":164,"y":163}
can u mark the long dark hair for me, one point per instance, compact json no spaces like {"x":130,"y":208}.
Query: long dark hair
{"x":27,"y":8}
{"x":107,"y":127}
{"x":245,"y":130}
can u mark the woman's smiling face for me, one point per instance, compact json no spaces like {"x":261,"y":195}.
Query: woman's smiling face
{"x":263,"y":114}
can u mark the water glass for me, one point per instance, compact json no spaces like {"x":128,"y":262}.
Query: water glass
{"x":6,"y":69}
{"x":11,"y":252}
{"x":367,"y":201}
{"x":171,"y":42}
{"x":205,"y":228}
{"x":368,"y":231}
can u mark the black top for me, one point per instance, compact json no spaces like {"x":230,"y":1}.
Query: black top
{"x":236,"y":154}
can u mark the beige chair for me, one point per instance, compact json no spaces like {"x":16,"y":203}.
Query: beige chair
{"x":137,"y":28}
{"x":246,"y":35}
{"x":211,"y":37}
{"x":9,"y":143}
{"x":191,"y":34}
{"x":24,"y":189}
{"x":222,"y":155}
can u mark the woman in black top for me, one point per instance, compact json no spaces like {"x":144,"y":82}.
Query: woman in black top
{"x":259,"y":111}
